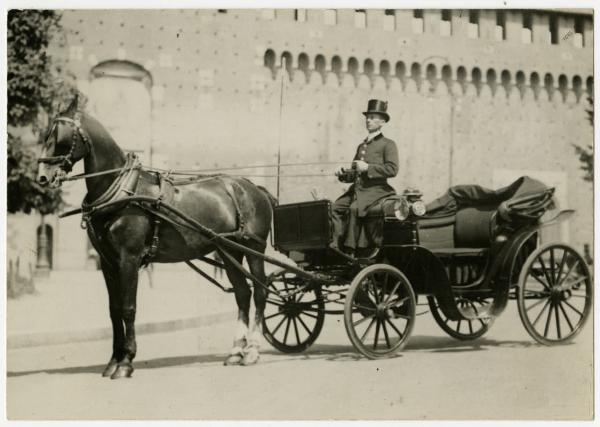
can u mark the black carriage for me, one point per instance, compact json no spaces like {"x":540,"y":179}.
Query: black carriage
{"x":467,"y":253}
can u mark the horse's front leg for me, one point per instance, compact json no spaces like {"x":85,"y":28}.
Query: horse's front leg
{"x":114,"y":304}
{"x":129,"y":264}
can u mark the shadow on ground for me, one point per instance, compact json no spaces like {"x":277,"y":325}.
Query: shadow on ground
{"x":327,"y":352}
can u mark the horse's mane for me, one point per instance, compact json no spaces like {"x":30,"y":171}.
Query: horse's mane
{"x":99,"y":134}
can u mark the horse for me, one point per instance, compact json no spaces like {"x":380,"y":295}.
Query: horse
{"x":128,"y":235}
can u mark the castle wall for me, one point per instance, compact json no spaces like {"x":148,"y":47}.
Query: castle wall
{"x":470,"y":101}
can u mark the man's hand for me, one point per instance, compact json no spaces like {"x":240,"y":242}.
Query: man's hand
{"x":361,"y":165}
{"x":339,"y":171}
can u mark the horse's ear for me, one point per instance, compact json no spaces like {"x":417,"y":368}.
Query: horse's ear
{"x":73,"y":106}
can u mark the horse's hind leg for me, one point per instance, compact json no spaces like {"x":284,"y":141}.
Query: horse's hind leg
{"x":118,"y":348}
{"x":242,"y":297}
{"x":257,"y":268}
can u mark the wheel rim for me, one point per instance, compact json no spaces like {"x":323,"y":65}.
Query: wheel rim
{"x":380,"y":311}
{"x":555,"y":294}
{"x":292,"y":321}
{"x":463,"y":329}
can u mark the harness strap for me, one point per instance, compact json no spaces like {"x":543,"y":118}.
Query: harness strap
{"x":86,"y":223}
{"x":207,"y":277}
{"x":241,"y":232}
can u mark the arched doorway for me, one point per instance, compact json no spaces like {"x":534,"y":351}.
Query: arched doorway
{"x":119,"y":97}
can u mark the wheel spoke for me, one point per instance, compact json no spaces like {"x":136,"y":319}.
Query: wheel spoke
{"x":296,"y":330}
{"x":278,"y":326}
{"x":400,"y":334}
{"x":384,"y":286}
{"x":557,"y":321}
{"x":375,"y":342}
{"x":470,"y":327}
{"x":578,"y":281}
{"x":375,"y":293}
{"x":458,"y":325}
{"x":552,"y":266}
{"x":529,"y":294}
{"x":563,"y":260}
{"x":573,"y":308}
{"x":541,"y":312}
{"x":385,"y":334}
{"x":394,"y":289}
{"x":363,"y":307}
{"x":571,"y":268}
{"x":287,"y":329}
{"x":358,"y":322}
{"x":396,"y":303}
{"x":304,"y":325}
{"x":565,"y":316}
{"x":535,"y":304}
{"x":474,"y":308}
{"x":549,"y":279}
{"x":314,"y":316}
{"x":368,"y":329}
{"x":534,"y":274}
{"x":279,"y":313}
{"x":278,"y":304}
{"x":548,"y":320}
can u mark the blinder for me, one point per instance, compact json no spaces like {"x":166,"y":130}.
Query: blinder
{"x":67,"y":161}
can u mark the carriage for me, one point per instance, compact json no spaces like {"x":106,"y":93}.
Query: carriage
{"x":466,"y":254}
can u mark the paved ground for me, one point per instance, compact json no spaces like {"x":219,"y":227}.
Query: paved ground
{"x":179,"y":375}
{"x":73,"y":306}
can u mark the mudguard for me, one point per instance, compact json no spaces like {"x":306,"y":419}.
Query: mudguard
{"x":426,"y":274}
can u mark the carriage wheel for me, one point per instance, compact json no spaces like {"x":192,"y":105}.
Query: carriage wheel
{"x":292,"y":322}
{"x":464,"y":329}
{"x":554,"y":294}
{"x":379,"y":312}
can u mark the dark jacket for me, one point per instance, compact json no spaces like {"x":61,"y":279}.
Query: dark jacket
{"x":370,"y":186}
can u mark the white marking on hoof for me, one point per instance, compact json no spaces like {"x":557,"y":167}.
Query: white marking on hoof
{"x":251,"y":355}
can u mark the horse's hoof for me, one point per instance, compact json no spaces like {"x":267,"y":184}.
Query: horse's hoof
{"x":251,"y":356}
{"x":122,"y":371}
{"x":110,"y":368}
{"x":233,"y":359}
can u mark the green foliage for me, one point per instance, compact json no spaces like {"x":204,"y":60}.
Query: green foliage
{"x":586,"y":154}
{"x":23,"y":191}
{"x":34,"y":85}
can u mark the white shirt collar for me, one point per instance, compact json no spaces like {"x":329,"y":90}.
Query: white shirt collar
{"x":371,"y":136}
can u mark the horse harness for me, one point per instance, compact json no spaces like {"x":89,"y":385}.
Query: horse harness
{"x":127,"y":184}
{"x":67,"y":161}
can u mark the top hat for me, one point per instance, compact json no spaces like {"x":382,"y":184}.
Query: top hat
{"x":375,"y":106}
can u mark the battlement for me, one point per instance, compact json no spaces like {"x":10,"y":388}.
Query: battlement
{"x":565,"y":27}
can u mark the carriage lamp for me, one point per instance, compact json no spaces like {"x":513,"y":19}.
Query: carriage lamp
{"x":412,"y":194}
{"x":418,"y":208}
{"x":401,"y":209}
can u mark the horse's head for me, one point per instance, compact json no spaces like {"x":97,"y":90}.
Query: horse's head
{"x":66,"y":144}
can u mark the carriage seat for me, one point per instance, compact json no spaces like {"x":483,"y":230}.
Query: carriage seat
{"x":470,"y":227}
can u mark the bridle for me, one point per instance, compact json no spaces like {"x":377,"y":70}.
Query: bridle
{"x":66,"y":162}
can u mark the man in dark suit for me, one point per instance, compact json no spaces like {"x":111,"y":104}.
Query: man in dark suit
{"x":376,"y":159}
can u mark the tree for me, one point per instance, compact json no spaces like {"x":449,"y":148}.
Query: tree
{"x":586,"y":154}
{"x":34,"y":87}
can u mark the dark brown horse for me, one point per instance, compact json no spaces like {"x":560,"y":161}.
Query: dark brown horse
{"x":128,"y":234}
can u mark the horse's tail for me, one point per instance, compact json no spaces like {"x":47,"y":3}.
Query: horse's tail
{"x":272,"y":199}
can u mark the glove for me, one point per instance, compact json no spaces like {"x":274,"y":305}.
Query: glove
{"x":361,"y":166}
